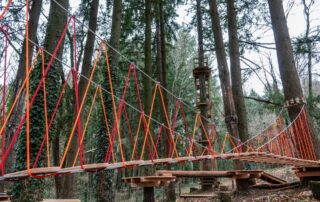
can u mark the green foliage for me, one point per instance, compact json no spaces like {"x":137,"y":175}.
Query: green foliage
{"x":32,"y":188}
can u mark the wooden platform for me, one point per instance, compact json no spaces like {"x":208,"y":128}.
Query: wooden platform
{"x":307,"y":172}
{"x":149,"y":181}
{"x":257,"y":157}
{"x":235,"y":174}
{"x":4,"y":197}
{"x":197,"y":195}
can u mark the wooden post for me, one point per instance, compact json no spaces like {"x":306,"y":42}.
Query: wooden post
{"x":148,"y":194}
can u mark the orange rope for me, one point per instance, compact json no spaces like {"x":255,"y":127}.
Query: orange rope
{"x":302,"y":153}
{"x":167,"y":119}
{"x":309,"y":134}
{"x":45,"y":111}
{"x":86,"y":125}
{"x":182,"y":143}
{"x":114,"y":103}
{"x":18,"y":95}
{"x":207,"y":137}
{"x":136,"y":139}
{"x":150,"y":135}
{"x":306,"y":139}
{"x":80,"y":109}
{"x":193,"y":134}
{"x":224,"y":143}
{"x":5,"y":9}
{"x":106,"y":122}
{"x":148,"y":124}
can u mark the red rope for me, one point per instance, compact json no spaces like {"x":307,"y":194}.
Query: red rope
{"x":129,"y":129}
{"x":36,"y":91}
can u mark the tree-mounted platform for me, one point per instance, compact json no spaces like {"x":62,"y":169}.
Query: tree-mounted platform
{"x":307,"y":172}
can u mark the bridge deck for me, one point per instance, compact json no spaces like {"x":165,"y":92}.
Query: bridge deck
{"x":257,"y":157}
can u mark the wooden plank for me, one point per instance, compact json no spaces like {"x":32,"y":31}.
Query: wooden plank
{"x":303,"y":174}
{"x":35,"y":171}
{"x":197,"y":195}
{"x":146,"y":184}
{"x":61,"y":200}
{"x":271,"y":179}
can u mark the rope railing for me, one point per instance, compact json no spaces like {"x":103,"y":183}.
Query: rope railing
{"x":147,"y":135}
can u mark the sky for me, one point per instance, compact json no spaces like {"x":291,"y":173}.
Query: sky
{"x":296,"y":25}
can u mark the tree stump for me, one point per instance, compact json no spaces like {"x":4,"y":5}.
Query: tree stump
{"x":315,"y":188}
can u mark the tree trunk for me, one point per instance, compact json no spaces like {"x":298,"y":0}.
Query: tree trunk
{"x":69,"y":180}
{"x":306,"y":9}
{"x":231,"y":118}
{"x":32,"y":189}
{"x":235,"y":68}
{"x":148,"y":194}
{"x":105,"y":187}
{"x":162,"y":77}
{"x":147,"y":83}
{"x":288,"y":72}
{"x":236,"y":76}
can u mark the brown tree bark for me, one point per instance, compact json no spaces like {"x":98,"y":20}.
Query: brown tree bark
{"x":147,"y":83}
{"x":67,"y":191}
{"x":306,"y":10}
{"x":236,"y":76}
{"x":288,"y":72}
{"x":235,"y":68}
{"x":162,"y":77}
{"x":231,"y":118}
{"x":105,"y":189}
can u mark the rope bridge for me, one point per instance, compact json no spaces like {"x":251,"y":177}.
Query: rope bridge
{"x":135,"y":138}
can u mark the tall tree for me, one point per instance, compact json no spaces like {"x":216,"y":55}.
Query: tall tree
{"x":161,"y":60}
{"x":236,"y":75}
{"x":147,"y":83}
{"x":67,"y":190}
{"x":235,"y":68}
{"x":288,"y":71}
{"x":104,"y":185}
{"x":32,"y":189}
{"x":306,"y":9}
{"x":148,"y":55}
{"x":231,"y":118}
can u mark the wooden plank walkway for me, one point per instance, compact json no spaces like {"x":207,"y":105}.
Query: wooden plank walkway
{"x":257,"y":157}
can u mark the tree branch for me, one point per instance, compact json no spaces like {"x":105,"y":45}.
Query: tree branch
{"x":262,"y":100}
